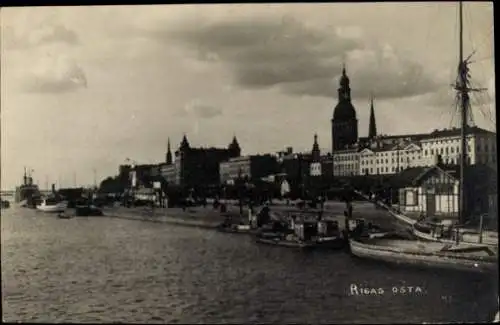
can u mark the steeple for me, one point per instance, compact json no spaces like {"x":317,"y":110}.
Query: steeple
{"x":169,"y":154}
{"x":372,"y":129}
{"x":234,"y":147}
{"x":315,"y":152}
{"x":344,"y":90}
{"x":184,"y":143}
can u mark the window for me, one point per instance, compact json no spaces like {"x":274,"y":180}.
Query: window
{"x":411,"y":197}
{"x":485,"y":147}
{"x":452,"y":150}
{"x":425,"y":152}
{"x":446,"y":150}
{"x":378,"y":170}
{"x":392,"y":168}
{"x":371,"y":170}
{"x":432,"y":151}
{"x":387,"y":161}
{"x":386,"y":169}
{"x":444,"y":189}
{"x":393,"y":160}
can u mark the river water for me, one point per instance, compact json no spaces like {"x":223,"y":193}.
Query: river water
{"x":113,"y":270}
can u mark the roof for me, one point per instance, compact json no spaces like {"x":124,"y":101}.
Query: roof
{"x":457,"y":132}
{"x":408,"y":176}
{"x":344,"y":111}
{"x":475,"y":175}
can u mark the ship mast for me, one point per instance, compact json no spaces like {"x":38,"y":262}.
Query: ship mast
{"x":463,"y":89}
{"x":464,"y":101}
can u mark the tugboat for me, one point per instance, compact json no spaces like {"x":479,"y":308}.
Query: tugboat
{"x":27,"y":194}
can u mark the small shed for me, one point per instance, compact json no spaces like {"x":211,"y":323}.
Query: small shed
{"x":434,"y":191}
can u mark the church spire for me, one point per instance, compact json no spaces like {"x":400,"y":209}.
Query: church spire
{"x":168,"y":157}
{"x":184,"y":143}
{"x":315,"y":152}
{"x":372,"y":129}
{"x":234,"y":147}
{"x":344,"y":90}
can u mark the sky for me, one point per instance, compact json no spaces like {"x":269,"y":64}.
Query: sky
{"x":85,"y":88}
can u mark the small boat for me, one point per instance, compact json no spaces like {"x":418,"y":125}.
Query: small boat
{"x":394,"y":249}
{"x":280,"y":241}
{"x":64,"y":216}
{"x":52,"y":205}
{"x":87,"y":211}
{"x":5,"y":204}
{"x":433,"y":232}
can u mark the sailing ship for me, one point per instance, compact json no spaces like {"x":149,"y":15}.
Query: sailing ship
{"x":426,"y":254}
{"x":435,"y":251}
{"x":27,"y":194}
{"x":433,"y":231}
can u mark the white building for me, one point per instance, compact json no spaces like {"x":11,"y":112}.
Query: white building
{"x":481,"y":146}
{"x":346,"y":162}
{"x":389,"y":158}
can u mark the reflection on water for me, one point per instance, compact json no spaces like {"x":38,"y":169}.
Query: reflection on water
{"x":113,"y":270}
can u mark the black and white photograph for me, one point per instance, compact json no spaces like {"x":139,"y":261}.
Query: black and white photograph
{"x":249,"y":163}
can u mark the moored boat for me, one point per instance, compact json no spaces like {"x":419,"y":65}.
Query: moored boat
{"x":52,"y":205}
{"x":426,"y":254}
{"x":437,"y":233}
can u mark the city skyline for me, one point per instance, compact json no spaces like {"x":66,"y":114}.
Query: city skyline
{"x":84,"y":88}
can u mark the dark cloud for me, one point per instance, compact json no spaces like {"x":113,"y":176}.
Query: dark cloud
{"x":56,"y":77}
{"x":265,"y":53}
{"x":299,"y":60}
{"x":202,"y":110}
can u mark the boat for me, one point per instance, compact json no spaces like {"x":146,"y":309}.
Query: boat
{"x":447,"y":233}
{"x":27,"y":194}
{"x":87,"y":210}
{"x":52,"y":205}
{"x":395,"y":249}
{"x":304,"y":230}
{"x":5,"y":204}
{"x":62,"y":215}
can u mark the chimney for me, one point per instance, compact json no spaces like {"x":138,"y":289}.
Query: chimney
{"x":53,"y":188}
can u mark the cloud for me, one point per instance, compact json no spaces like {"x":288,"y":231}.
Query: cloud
{"x":300,"y":60}
{"x":201,"y":110}
{"x":55,"y":74}
{"x":47,"y":34}
{"x":266,"y":52}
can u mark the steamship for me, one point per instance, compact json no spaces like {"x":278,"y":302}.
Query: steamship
{"x":28,"y":193}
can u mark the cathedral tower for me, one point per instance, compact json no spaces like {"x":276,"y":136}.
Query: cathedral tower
{"x":344,"y":121}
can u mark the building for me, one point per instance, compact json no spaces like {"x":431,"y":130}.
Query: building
{"x":196,"y":167}
{"x":346,"y":162}
{"x":434,"y":191}
{"x":315,"y":166}
{"x":481,"y":146}
{"x":383,"y":158}
{"x":344,"y":121}
{"x":140,"y":174}
{"x":249,"y":167}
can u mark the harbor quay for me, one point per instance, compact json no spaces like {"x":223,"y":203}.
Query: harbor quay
{"x":207,"y":217}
